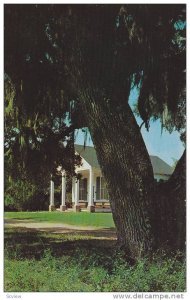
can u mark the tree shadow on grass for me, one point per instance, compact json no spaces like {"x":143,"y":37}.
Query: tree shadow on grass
{"x":16,"y":220}
{"x":21,"y":243}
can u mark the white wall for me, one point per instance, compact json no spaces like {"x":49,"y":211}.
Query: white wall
{"x":84,"y":166}
{"x":163,"y":177}
{"x":85,"y":170}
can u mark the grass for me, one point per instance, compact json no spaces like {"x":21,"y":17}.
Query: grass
{"x":80,"y":219}
{"x":49,"y":262}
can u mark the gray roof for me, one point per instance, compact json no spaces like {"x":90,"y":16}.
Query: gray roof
{"x":160,"y":166}
{"x":89,"y":154}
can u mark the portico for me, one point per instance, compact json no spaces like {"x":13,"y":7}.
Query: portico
{"x":90,"y":190}
{"x":84,"y":190}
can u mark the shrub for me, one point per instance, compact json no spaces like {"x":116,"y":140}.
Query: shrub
{"x":71,"y":274}
{"x":22,"y":195}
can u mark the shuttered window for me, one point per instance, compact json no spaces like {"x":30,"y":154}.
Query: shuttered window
{"x":83,"y":189}
{"x":97,"y":188}
{"x":101,"y":190}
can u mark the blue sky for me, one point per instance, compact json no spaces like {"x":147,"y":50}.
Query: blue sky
{"x":161,"y":143}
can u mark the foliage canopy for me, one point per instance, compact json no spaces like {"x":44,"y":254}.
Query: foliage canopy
{"x":53,"y":51}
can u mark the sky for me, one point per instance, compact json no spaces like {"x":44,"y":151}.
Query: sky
{"x":167,"y":146}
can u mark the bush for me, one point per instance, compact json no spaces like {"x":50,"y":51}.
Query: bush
{"x":159,"y":275}
{"x":22,"y":195}
{"x":92,"y":272}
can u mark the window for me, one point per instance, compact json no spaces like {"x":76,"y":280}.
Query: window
{"x":83,"y":189}
{"x":97,"y":188}
{"x":101,"y":190}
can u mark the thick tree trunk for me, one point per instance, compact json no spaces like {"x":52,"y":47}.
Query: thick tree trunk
{"x":126,"y":165}
{"x":170,"y":209}
{"x":147,"y":216}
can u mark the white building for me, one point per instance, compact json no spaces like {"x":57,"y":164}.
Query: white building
{"x":90,"y":191}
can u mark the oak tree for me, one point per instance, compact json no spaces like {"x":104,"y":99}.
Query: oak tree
{"x":73,"y":66}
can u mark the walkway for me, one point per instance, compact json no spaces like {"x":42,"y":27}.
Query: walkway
{"x":100,"y":233}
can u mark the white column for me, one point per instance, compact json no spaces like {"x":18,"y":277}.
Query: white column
{"x":63,"y":192}
{"x":95,"y":188}
{"x":76,"y":192}
{"x":77,"y":205}
{"x":73,"y":189}
{"x":52,"y":193}
{"x":52,"y":204}
{"x":91,"y":206}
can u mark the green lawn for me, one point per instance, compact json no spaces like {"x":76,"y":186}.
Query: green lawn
{"x":73,"y":262}
{"x":104,"y":220}
{"x":81,"y":261}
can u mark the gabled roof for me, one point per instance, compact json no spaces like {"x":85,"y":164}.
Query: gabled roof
{"x":89,"y":154}
{"x":160,"y":166}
